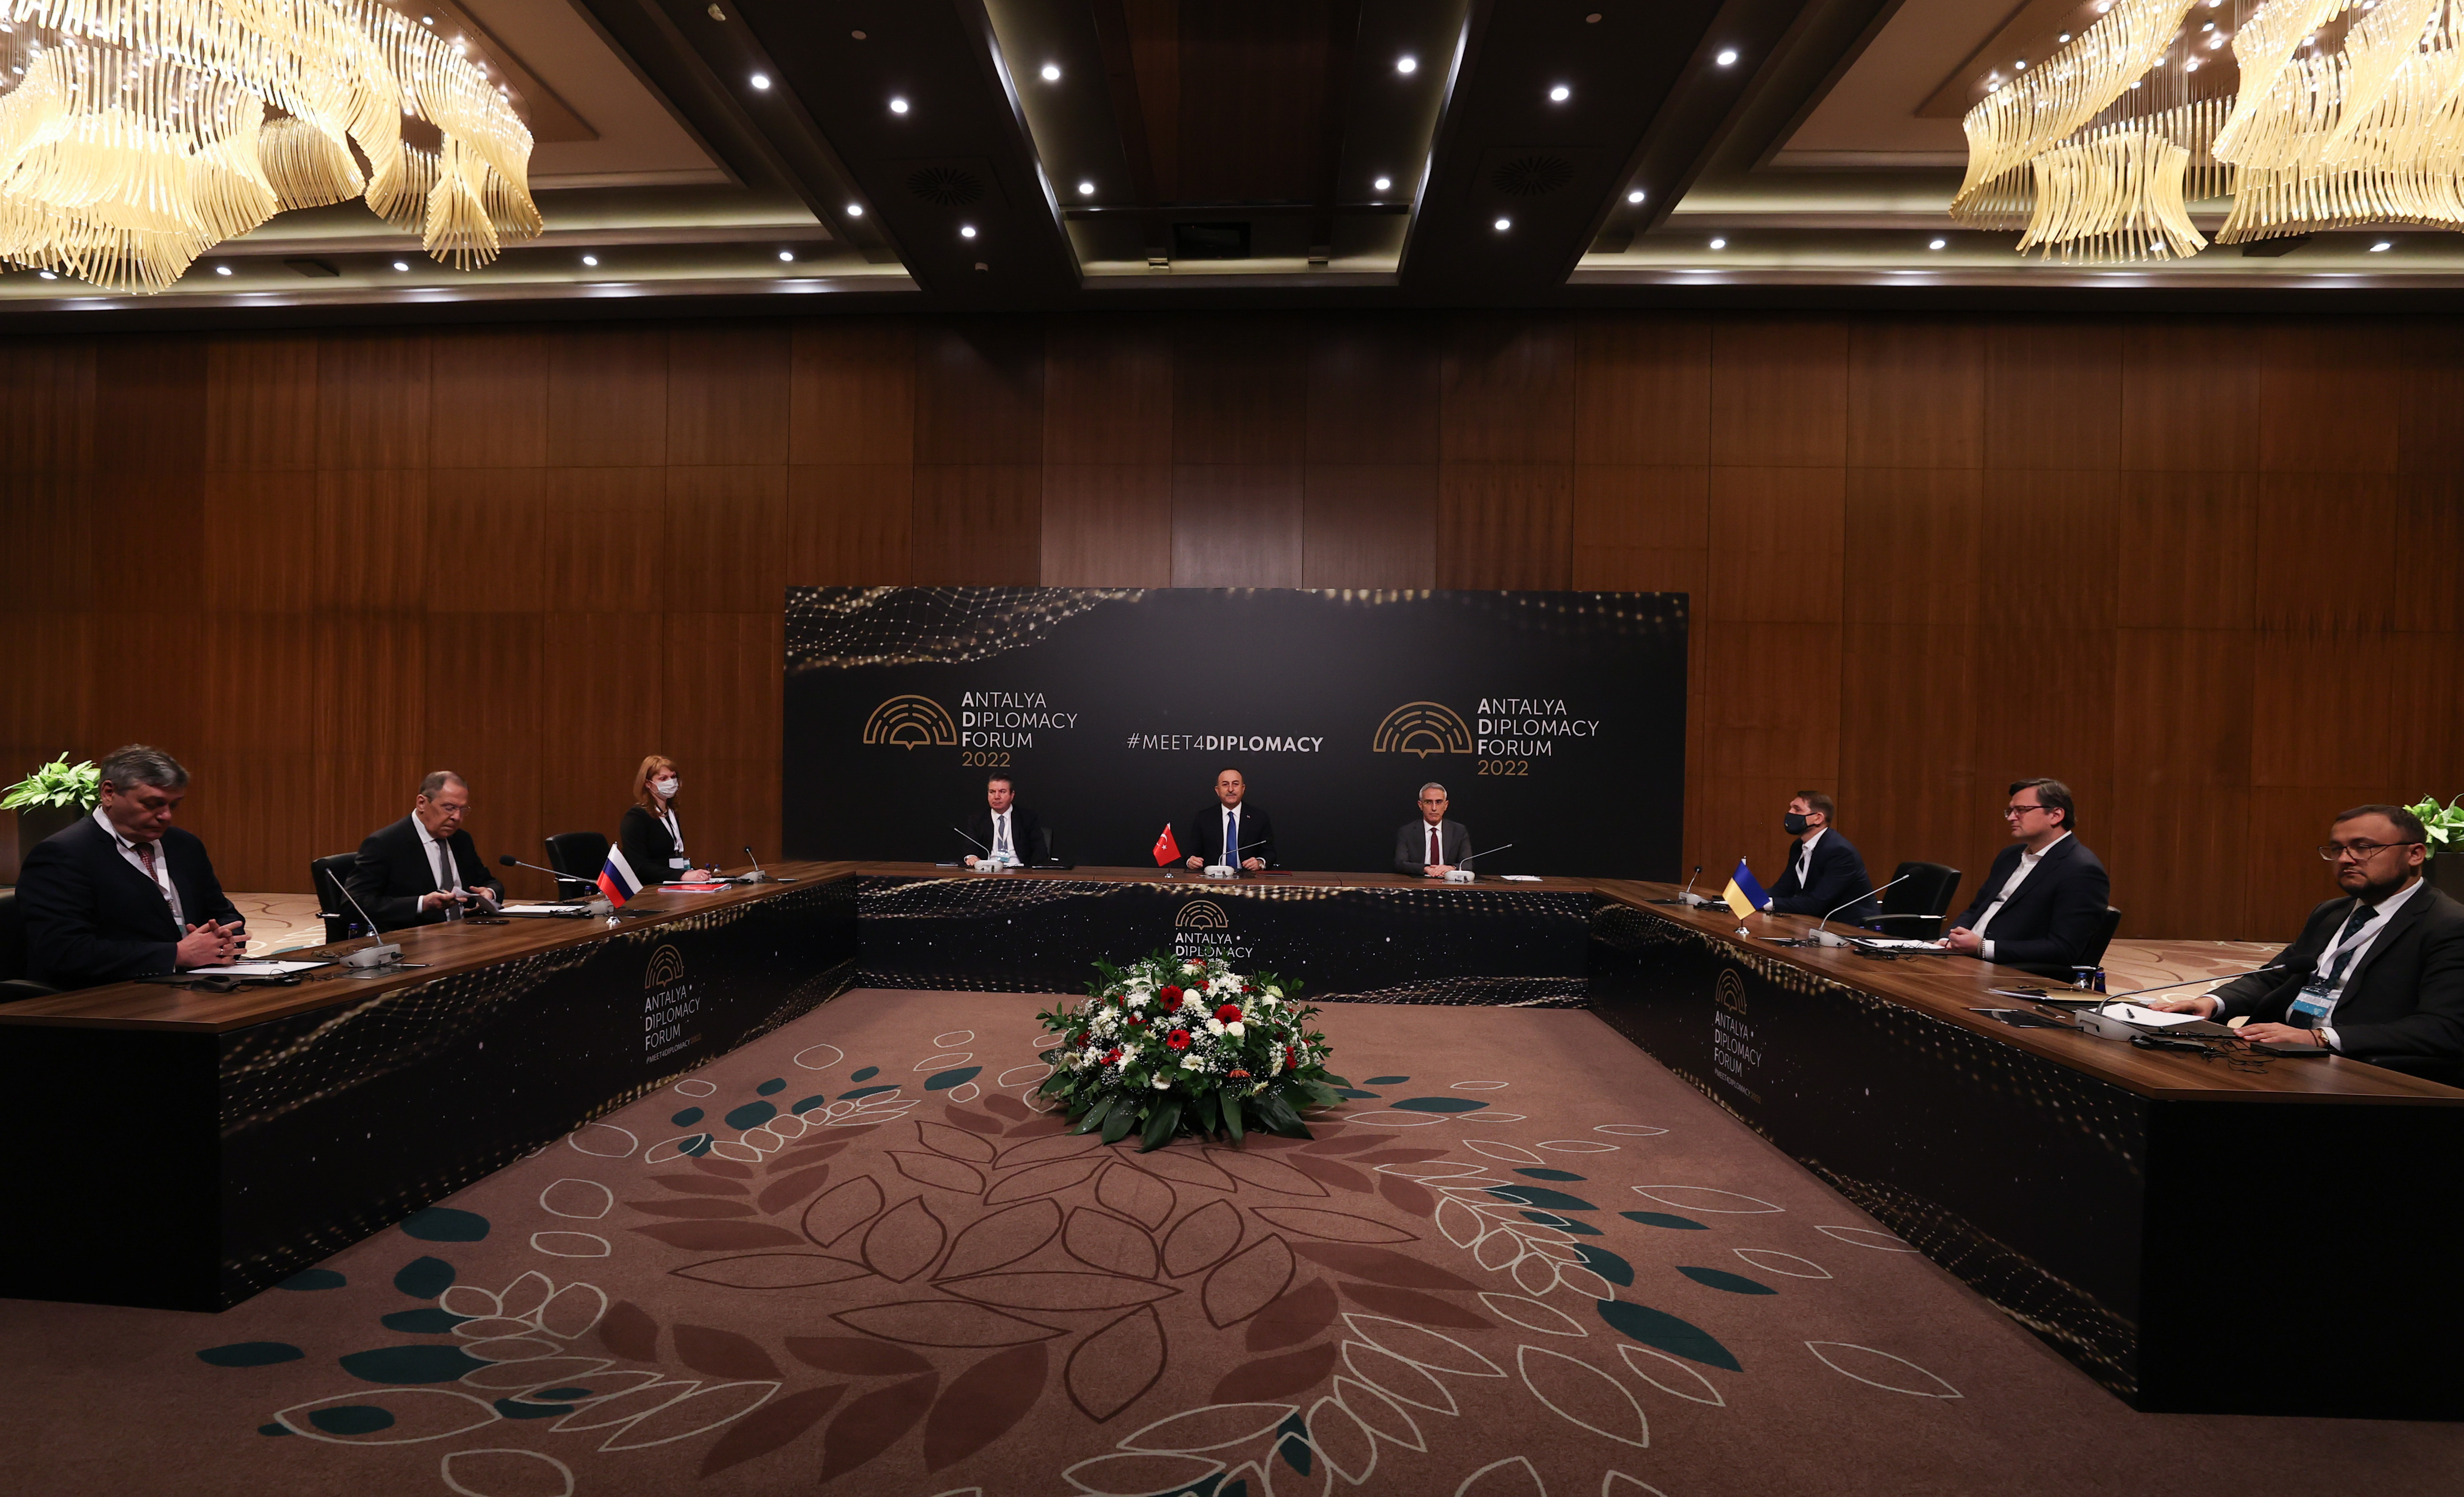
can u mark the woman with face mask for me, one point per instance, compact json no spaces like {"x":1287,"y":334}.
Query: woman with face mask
{"x":652,"y":843}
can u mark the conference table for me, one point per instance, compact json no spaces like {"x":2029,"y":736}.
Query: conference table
{"x":2194,"y":1234}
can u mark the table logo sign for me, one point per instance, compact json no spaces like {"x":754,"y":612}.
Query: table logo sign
{"x":911,"y":723}
{"x":1421,"y":728}
{"x":1201,"y":915}
{"x":669,"y":1002}
{"x":1734,"y":1055}
{"x":1201,"y":928}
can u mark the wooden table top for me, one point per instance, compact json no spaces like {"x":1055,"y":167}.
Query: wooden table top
{"x":1951,"y":987}
{"x":1179,"y":875}
{"x":443,"y":949}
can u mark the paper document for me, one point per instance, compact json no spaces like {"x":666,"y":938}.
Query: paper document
{"x":1894,"y":943}
{"x":538,"y":909}
{"x":2147,"y":1018}
{"x":1520,"y":878}
{"x":252,"y":969}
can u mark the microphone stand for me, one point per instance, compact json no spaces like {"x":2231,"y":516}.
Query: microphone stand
{"x":1463,"y":873}
{"x":595,"y":904}
{"x":1822,"y":936}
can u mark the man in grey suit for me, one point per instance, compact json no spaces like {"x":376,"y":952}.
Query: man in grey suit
{"x":1430,"y":846}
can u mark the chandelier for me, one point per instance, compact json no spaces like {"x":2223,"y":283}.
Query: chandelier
{"x":135,"y":135}
{"x":2347,"y":112}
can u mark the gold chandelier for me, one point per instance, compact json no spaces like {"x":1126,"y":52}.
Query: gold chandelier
{"x":135,"y":135}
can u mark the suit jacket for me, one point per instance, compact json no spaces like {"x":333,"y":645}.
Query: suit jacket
{"x":92,"y":919}
{"x":1025,"y":831}
{"x":1411,"y":844}
{"x":643,"y":838}
{"x":2404,"y":998}
{"x":394,"y":872}
{"x":1203,"y":834}
{"x":1837,"y":876}
{"x":2048,"y":926}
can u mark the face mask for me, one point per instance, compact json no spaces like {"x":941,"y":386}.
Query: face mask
{"x":1794,"y":823}
{"x":665,"y":788}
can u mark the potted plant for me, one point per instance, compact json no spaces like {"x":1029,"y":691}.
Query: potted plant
{"x":48,"y":801}
{"x":2445,"y":824}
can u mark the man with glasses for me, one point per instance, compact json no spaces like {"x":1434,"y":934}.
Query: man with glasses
{"x":2378,"y":973}
{"x":1431,"y":845}
{"x":425,"y":867}
{"x":2043,"y":900}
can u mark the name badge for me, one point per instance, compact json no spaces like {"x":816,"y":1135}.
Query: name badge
{"x":678,"y":863}
{"x":2315,"y":999}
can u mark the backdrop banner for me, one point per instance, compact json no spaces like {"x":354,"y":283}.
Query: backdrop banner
{"x":1556,"y":720}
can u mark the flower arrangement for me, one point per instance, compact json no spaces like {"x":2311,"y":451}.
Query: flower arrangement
{"x":1164,"y":1046}
{"x":59,"y":784}
{"x":2444,"y":823}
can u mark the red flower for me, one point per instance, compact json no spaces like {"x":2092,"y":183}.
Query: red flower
{"x":1170,"y":996}
{"x":1177,"y":1040}
{"x":1236,"y":1075}
{"x":1113,"y":1056}
{"x":1229,"y":1013}
{"x":1292,"y":1060}
{"x":1137,"y":1020}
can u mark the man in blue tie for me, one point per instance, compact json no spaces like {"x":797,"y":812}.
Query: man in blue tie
{"x":1235,"y":834}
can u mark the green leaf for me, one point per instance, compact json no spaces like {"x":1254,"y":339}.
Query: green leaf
{"x":1232,"y":1117}
{"x":1210,"y":1114}
{"x":1340,"y":1081}
{"x":1282,"y":1119}
{"x":1118,"y":1123}
{"x":1161,"y":1126}
{"x":1094,"y":1117}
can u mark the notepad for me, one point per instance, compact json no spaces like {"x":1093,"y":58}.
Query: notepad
{"x":252,"y":969}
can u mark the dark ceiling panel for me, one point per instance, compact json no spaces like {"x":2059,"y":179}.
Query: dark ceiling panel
{"x":1252,"y":86}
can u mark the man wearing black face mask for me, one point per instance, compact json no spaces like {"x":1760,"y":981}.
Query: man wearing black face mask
{"x":1824,"y":871}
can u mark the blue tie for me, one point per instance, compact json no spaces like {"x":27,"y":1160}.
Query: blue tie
{"x":1231,"y":839}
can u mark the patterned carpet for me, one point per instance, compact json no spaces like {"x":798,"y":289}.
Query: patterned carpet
{"x":852,"y":1257}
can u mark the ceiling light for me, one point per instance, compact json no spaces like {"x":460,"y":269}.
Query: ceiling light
{"x":858,"y":35}
{"x":1505,"y":224}
{"x":222,"y":270}
{"x":1727,"y":57}
{"x":1560,"y":94}
{"x":47,"y":276}
{"x":2190,"y":64}
{"x":1383,"y":183}
{"x":1052,"y":73}
{"x":760,"y":81}
{"x":1939,"y":244}
{"x":2020,"y":66}
{"x":590,"y":259}
{"x":1635,"y":196}
{"x":2207,"y":26}
{"x":855,"y":210}
{"x":2065,"y":36}
{"x":2384,"y":244}
{"x":786,"y":254}
{"x":966,"y":230}
{"x":1407,"y":63}
{"x":427,"y":20}
{"x":2136,"y":82}
{"x":898,"y":106}
{"x":1719,"y":244}
{"x":402,"y":265}
{"x":1085,"y":189}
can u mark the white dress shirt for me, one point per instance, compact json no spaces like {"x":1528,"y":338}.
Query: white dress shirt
{"x":2028,"y":860}
{"x":1805,"y":857}
{"x":2359,"y":944}
{"x":440,"y":859}
{"x":161,"y":872}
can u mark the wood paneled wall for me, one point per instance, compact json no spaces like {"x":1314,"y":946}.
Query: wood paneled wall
{"x":2206,"y":571}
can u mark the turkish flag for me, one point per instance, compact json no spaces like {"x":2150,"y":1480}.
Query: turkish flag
{"x":1166,"y":851}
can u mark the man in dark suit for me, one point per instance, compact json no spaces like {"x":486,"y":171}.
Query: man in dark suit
{"x":1229,"y":833}
{"x":2043,"y":901}
{"x":1433,"y":845}
{"x":1003,"y":828}
{"x":1824,"y":871}
{"x":424,"y":865}
{"x":125,"y":894}
{"x":2378,"y":972}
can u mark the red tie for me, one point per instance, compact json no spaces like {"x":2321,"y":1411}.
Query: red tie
{"x":1435,"y":856}
{"x":146,"y":856}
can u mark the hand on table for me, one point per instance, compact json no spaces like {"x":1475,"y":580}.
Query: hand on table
{"x":208,"y":945}
{"x":1197,"y":861}
{"x":1965,"y":941}
{"x":439,"y":899}
{"x":2198,"y":1003}
{"x":2281,"y":1034}
{"x":973,"y":860}
{"x":1436,"y":869}
{"x":1254,"y":865}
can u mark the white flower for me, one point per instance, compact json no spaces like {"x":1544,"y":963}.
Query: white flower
{"x":1162,"y":1085}
{"x":1234,"y":1028}
{"x":1214,"y":1026}
{"x":1274,"y":993}
{"x":1137,"y":1001}
{"x":1189,"y":999}
{"x":1193,"y":966}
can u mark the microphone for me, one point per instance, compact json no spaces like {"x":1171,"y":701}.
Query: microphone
{"x":1825,"y":937}
{"x":383,"y":954}
{"x":598,"y":903}
{"x":1463,"y":873}
{"x":757,"y":876}
{"x":2105,"y":1025}
{"x":987,"y":861}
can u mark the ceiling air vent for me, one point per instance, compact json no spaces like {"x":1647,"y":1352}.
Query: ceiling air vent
{"x":1534,"y":175}
{"x":946,"y":186}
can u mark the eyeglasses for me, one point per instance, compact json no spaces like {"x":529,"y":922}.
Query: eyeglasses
{"x":2009,"y":811}
{"x":2360,"y":852}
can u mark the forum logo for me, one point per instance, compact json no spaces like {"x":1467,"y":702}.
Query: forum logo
{"x":1421,"y":728}
{"x":911,"y":723}
{"x":1201,"y":915}
{"x":1201,"y":928}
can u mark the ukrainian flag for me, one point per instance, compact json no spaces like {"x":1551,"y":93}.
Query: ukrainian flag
{"x":1743,"y":895}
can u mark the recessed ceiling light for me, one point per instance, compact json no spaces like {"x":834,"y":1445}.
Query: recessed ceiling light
{"x":855,"y":210}
{"x":1635,"y":196}
{"x":966,"y":230}
{"x":2135,"y":82}
{"x":1085,"y":189}
{"x":2384,"y":244}
{"x":402,"y":265}
{"x":898,"y":106}
{"x":427,"y":20}
{"x":1052,"y":73}
{"x":590,"y":259}
{"x":760,"y":81}
{"x":1407,"y":63}
{"x":2065,"y":36}
{"x":786,"y":254}
{"x":858,"y":35}
{"x":1505,"y":224}
{"x":1939,"y":244}
{"x":1727,"y":59}
{"x":47,"y":276}
{"x":1383,"y":183}
{"x":1592,"y":20}
{"x":1560,"y":94}
{"x":1719,"y":244}
{"x":225,"y":270}
{"x":2020,"y":66}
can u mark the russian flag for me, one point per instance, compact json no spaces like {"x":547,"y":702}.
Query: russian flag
{"x":616,"y":878}
{"x":1744,"y":894}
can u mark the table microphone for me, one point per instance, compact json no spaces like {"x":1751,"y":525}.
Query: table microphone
{"x":757,"y":876}
{"x":598,"y":903}
{"x":383,"y":954}
{"x":1463,"y":873}
{"x":1823,"y":938}
{"x":1686,"y":897}
{"x":2097,"y":1020}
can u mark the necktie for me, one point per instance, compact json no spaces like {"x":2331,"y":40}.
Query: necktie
{"x":170,"y":897}
{"x":1000,"y":834}
{"x":446,"y":878}
{"x":1231,"y":839}
{"x":146,"y":856}
{"x":2362,"y":915}
{"x":1436,"y":856}
{"x":1805,"y":864}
